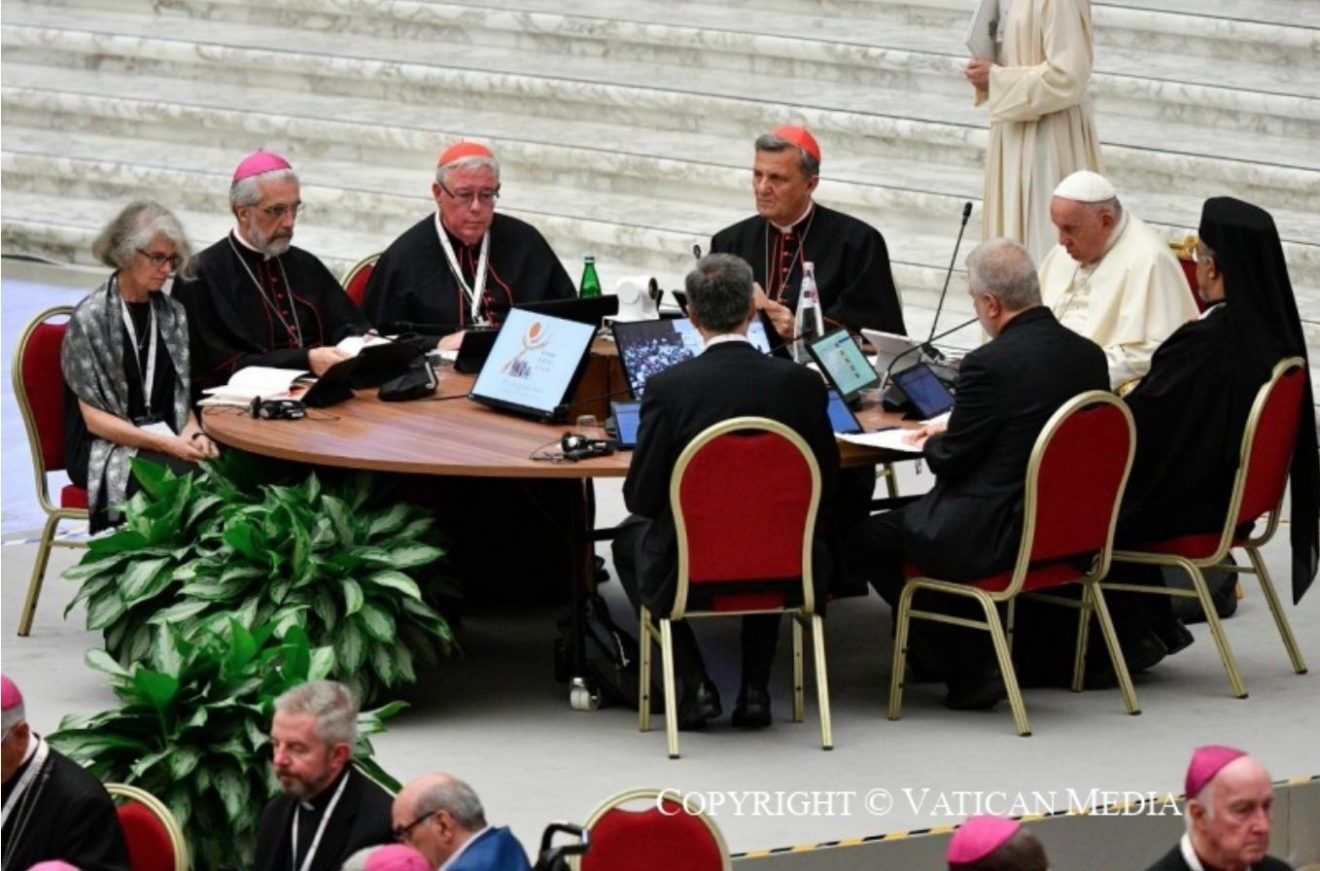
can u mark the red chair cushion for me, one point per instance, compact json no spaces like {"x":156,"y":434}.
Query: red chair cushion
{"x":624,"y":840}
{"x":73,"y":496}
{"x":357,"y":284}
{"x":43,"y":382}
{"x":1272,"y":448}
{"x":149,"y":844}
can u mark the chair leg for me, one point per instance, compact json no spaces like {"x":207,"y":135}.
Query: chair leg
{"x":899,"y":666}
{"x":1006,"y":666}
{"x":671,"y":694}
{"x":798,"y":678}
{"x":1216,"y":628}
{"x":822,"y":682}
{"x":1280,"y":618}
{"x":1083,"y":639}
{"x":645,"y":640}
{"x":891,"y":480}
{"x":1097,"y":598}
{"x":38,"y":575}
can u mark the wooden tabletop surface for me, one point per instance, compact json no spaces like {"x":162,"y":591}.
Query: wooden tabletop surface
{"x":445,"y":435}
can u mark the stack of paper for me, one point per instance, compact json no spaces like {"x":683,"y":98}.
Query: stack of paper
{"x":247,"y":384}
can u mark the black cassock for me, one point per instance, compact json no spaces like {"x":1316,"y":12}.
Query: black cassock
{"x":247,"y":310}
{"x":412,"y":281}
{"x":852,"y":266}
{"x":64,"y":814}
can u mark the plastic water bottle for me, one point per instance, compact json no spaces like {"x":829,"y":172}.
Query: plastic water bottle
{"x":590,"y":287}
{"x":807,"y":323}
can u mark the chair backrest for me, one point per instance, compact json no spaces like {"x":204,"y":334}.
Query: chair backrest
{"x":1184,"y":251}
{"x":39,"y":389}
{"x":1268,"y":441}
{"x":745,"y":494}
{"x":1075,"y":480}
{"x":659,"y":832}
{"x":155,"y":841}
{"x":355,"y":280}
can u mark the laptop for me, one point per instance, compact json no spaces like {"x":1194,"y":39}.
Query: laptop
{"x":890,"y":347}
{"x":843,"y":364}
{"x":585,"y":310}
{"x":925,"y":391}
{"x":534,"y":365}
{"x":649,"y":347}
{"x":475,"y":348}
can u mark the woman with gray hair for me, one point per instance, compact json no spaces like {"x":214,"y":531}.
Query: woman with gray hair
{"x":125,"y":362}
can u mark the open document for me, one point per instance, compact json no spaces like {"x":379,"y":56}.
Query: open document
{"x":248,"y":383}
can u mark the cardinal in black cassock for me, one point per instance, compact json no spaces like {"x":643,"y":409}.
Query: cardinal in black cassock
{"x":465,"y":264}
{"x":851,"y":260}
{"x":255,"y":300}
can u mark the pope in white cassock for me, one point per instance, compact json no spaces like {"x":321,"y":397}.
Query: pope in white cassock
{"x":1112,"y":278}
{"x":1041,"y":124}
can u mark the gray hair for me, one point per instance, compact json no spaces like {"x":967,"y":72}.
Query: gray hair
{"x":1111,"y":205}
{"x":456,"y":798}
{"x":134,"y":228}
{"x":247,"y":191}
{"x":332,"y":704}
{"x":474,"y":162}
{"x":1003,"y":268}
{"x":771,"y":142}
{"x":720,"y":292}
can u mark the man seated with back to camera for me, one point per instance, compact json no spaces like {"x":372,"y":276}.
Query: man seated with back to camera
{"x":730,"y":378}
{"x":969,"y":526}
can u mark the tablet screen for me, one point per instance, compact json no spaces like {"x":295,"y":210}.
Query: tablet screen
{"x":649,"y":347}
{"x":843,"y":363}
{"x":841,"y":417}
{"x":928,"y":395}
{"x":532,"y":365}
{"x":627,"y":420}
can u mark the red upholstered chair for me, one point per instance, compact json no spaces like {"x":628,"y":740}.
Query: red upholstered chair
{"x":658,"y":833}
{"x":355,"y":279}
{"x":39,"y":388}
{"x":1258,"y":487}
{"x":1075,"y":480}
{"x":155,"y":841}
{"x":723,"y":547}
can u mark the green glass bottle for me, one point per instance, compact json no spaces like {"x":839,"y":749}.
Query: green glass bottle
{"x":590,"y":287}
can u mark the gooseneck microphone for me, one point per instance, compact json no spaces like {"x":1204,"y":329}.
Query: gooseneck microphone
{"x":933,"y":352}
{"x":894,"y":362}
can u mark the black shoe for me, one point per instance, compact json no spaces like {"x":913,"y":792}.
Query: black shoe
{"x":976,"y":692}
{"x":1176,"y":636}
{"x":699,"y":704}
{"x":1140,"y":655}
{"x":753,"y":708}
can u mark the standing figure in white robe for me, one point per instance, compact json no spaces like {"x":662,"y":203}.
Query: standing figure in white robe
{"x":1041,"y":124}
{"x":1112,"y":278}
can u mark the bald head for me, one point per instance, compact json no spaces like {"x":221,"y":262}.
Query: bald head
{"x":437,"y":814}
{"x":1229,"y":819}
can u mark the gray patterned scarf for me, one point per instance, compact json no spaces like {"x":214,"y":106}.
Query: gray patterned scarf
{"x":93,"y":361}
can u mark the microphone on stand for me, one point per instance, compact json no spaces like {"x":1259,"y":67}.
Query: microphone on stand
{"x":931,"y":351}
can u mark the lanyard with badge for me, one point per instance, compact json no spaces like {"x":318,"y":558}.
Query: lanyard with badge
{"x":472,"y":295}
{"x":320,"y":830}
{"x":147,"y":376}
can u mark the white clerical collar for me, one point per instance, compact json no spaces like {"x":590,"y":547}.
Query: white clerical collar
{"x":1189,"y":853}
{"x":453,"y":860}
{"x":725,"y":338}
{"x":789,"y":229}
{"x":238,"y":234}
{"x":1205,"y":314}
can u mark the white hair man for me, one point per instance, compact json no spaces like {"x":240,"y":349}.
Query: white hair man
{"x":53,"y":809}
{"x":254,"y":299}
{"x":329,"y":810}
{"x":1112,"y":278}
{"x":441,"y":817}
{"x":466,"y":264}
{"x":1229,"y":800}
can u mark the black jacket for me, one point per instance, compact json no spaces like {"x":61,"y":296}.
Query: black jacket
{"x":361,"y":819}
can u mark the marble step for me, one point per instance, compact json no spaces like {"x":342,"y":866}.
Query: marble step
{"x":872,"y":80}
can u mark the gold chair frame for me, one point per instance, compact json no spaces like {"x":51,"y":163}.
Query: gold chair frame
{"x":347,"y":278}
{"x":1092,"y":601}
{"x":1194,"y":567}
{"x":54,"y":513}
{"x":652,"y":796}
{"x":163,"y":813}
{"x":802,"y":615}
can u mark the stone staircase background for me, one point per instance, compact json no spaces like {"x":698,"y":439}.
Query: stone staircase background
{"x":624,"y":127}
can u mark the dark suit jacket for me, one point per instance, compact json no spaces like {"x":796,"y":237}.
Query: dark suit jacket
{"x":494,"y":850}
{"x":970,"y":524}
{"x":727,"y":380}
{"x":362,"y":819}
{"x":1173,"y":861}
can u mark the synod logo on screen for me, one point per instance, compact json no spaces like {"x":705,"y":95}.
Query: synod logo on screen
{"x":535,"y":339}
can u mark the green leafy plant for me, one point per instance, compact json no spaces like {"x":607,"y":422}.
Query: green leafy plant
{"x":330,"y":557}
{"x":192,"y":727}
